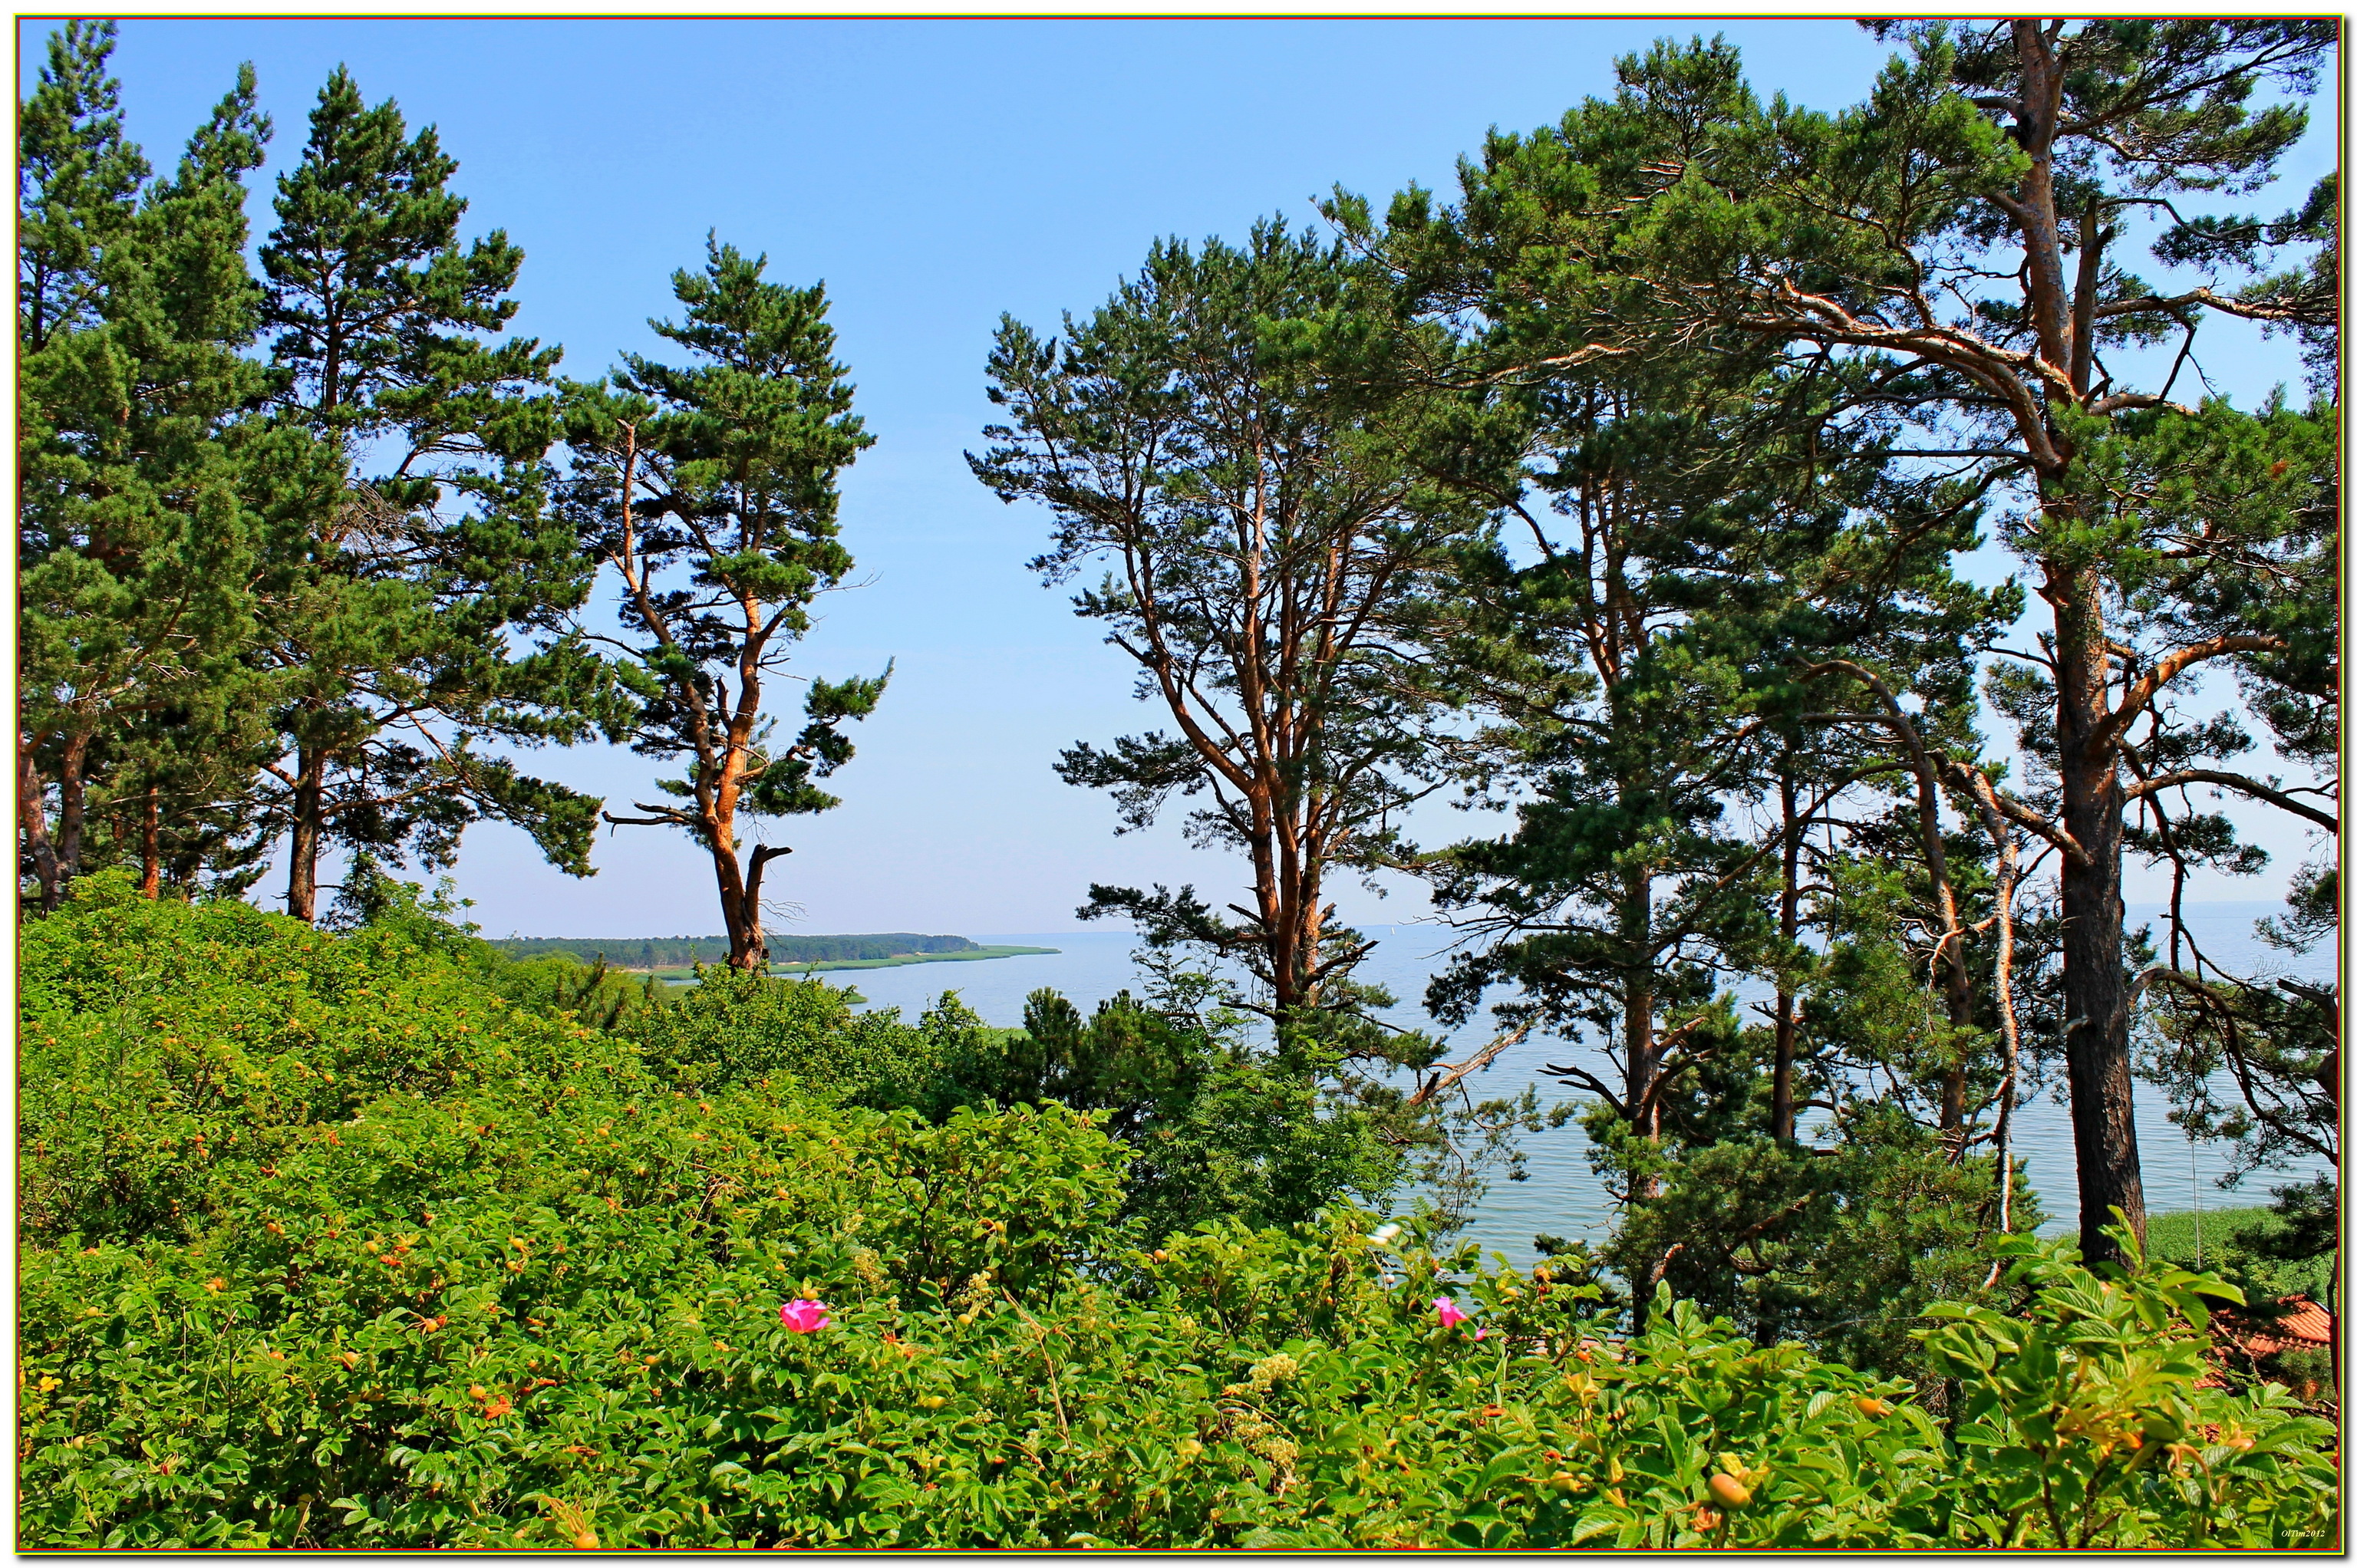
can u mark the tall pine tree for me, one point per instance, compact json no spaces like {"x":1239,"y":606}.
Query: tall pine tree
{"x":425,"y":610}
{"x":710,"y":487}
{"x":146,"y":486}
{"x":1218,"y":439}
{"x":1963,"y":239}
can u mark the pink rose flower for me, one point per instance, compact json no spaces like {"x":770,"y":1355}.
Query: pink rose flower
{"x":803,"y":1316}
{"x":1451,"y":1315}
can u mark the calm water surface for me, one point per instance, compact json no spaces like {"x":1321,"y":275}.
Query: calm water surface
{"x":1563,"y":1197}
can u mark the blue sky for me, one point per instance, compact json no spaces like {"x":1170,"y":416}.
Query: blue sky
{"x":934,"y":174}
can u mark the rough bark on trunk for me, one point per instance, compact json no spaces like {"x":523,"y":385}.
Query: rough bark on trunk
{"x":2096,"y":999}
{"x":740,"y":904}
{"x":33,"y":822}
{"x":2095,"y":993}
{"x":73,"y":800}
{"x":1781,"y":1115}
{"x":305,"y":836}
{"x":1307,"y":921}
{"x":740,"y":881}
{"x":1644,"y":1105}
{"x":151,"y":861}
{"x":747,"y":948}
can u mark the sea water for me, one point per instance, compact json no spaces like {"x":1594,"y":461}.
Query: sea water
{"x":1562,"y":1196}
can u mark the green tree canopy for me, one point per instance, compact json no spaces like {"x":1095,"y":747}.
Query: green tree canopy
{"x":710,"y":487}
{"x":1270,"y":549}
{"x":423,"y":611}
{"x":147,"y":487}
{"x":1959,"y":239}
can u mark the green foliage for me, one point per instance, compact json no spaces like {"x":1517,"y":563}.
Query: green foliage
{"x":1947,"y":265}
{"x":2086,"y":1426}
{"x":167,"y":1045}
{"x":632,"y":953}
{"x":229,"y":630}
{"x":1216,"y":1128}
{"x":736,"y":1030}
{"x":2274,"y":1255}
{"x":370,"y":1237}
{"x":327,"y":1244}
{"x":1841,"y":1248}
{"x":147,"y":482}
{"x":2254,"y":1063}
{"x":1723,"y":521}
{"x":1226,"y":437}
{"x":419,"y":611}
{"x":1213,"y":1128}
{"x":593,"y":994}
{"x":712,"y":488}
{"x":2266,"y":1253}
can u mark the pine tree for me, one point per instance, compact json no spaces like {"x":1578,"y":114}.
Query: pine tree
{"x":710,"y":487}
{"x":1216,"y":436}
{"x":140,"y":465}
{"x":78,"y":183}
{"x":424,"y":608}
{"x":1959,"y":239}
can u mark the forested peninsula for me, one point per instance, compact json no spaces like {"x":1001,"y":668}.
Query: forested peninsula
{"x":681,"y":952}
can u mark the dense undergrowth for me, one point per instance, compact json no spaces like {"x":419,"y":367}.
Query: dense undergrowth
{"x":361,"y":1241}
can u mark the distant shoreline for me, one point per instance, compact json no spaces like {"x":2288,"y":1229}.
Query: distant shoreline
{"x":684,"y":974}
{"x":678,"y":956}
{"x":962,"y":956}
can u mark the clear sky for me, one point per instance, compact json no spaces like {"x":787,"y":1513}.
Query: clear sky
{"x":934,"y":174}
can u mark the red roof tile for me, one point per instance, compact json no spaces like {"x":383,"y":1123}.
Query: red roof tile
{"x":2306,"y":1327}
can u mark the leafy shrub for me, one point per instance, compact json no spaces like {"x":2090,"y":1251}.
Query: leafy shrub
{"x":1841,"y":1248}
{"x":501,"y":1284}
{"x":735,"y":1028}
{"x":593,"y":994}
{"x":1216,"y":1128}
{"x":2284,"y":1248}
{"x":168,"y":1052}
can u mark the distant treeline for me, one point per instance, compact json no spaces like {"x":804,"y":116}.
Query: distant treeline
{"x":677,"y":952}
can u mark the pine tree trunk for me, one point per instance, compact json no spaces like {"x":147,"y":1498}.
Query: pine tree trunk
{"x":306,"y":831}
{"x":747,"y":947}
{"x":755,"y":868}
{"x":71,"y":803}
{"x":2095,"y":995}
{"x":1637,"y":930}
{"x":1644,"y":1108}
{"x":2096,"y":1000}
{"x":1309,"y":926}
{"x":740,"y":905}
{"x":151,"y":862}
{"x":33,"y":822}
{"x":1781,"y":1115}
{"x":1277,"y":912}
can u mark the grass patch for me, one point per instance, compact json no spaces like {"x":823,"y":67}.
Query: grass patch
{"x":2171,"y":1236}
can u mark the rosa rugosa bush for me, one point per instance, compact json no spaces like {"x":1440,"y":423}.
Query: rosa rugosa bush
{"x":326,"y":1244}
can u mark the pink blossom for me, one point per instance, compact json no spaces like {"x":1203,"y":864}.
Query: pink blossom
{"x":1451,"y":1315}
{"x":803,"y":1316}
